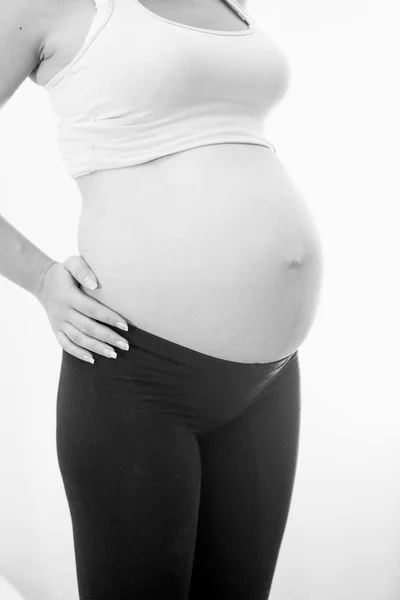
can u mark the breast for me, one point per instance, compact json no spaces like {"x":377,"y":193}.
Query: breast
{"x":134,"y":94}
{"x":213,"y":248}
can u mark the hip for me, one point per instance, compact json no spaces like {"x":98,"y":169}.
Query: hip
{"x":159,"y":379}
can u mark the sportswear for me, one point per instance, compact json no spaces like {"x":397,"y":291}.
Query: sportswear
{"x":142,"y":87}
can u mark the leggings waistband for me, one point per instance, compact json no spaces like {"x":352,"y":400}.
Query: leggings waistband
{"x":181,"y":354}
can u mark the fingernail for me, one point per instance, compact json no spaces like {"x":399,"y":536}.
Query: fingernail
{"x":90,"y":282}
{"x":122,"y":345}
{"x":121,"y":325}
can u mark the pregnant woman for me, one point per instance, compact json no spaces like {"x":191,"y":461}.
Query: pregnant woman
{"x":178,"y":454}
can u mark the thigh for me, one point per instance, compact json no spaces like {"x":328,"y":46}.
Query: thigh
{"x":132,"y":478}
{"x":248,"y":471}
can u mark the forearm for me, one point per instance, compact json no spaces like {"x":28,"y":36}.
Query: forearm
{"x":21,"y":261}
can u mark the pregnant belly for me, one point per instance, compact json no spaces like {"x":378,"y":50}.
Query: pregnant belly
{"x":212,"y":248}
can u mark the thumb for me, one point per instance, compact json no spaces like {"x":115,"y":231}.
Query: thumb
{"x":80,"y":270}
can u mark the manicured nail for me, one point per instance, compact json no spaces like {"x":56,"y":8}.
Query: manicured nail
{"x":109,"y":353}
{"x":88,"y":359}
{"x":122,"y":345}
{"x":90,"y":282}
{"x":121,"y":325}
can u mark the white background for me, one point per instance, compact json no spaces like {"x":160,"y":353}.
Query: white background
{"x":337,"y":130}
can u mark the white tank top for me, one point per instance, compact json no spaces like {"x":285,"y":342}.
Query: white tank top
{"x":142,"y":87}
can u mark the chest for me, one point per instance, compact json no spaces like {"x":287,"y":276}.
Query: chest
{"x":73,"y":18}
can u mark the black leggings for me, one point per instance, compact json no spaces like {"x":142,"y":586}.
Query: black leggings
{"x":178,"y":469}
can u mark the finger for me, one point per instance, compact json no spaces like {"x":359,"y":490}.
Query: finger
{"x":80,"y":270}
{"x":80,"y":339}
{"x":95,"y":330}
{"x":96,"y":310}
{"x":72,"y":349}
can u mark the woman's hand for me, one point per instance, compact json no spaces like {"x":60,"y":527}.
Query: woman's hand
{"x":71,"y":311}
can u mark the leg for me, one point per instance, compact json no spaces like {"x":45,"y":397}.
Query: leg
{"x":248,"y":470}
{"x":132,"y":478}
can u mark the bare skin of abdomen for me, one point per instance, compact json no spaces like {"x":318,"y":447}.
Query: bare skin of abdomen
{"x":212,"y":248}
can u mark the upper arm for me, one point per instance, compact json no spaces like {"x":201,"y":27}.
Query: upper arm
{"x":22,"y":31}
